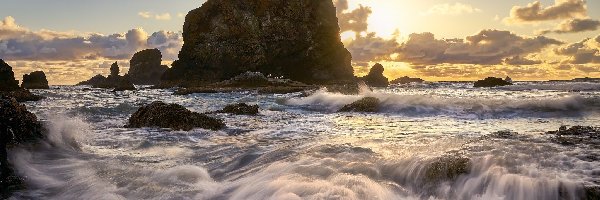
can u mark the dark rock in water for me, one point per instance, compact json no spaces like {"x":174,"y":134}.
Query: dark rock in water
{"x":17,"y":126}
{"x":295,"y":39}
{"x":576,"y":135}
{"x":113,"y":81}
{"x":7,"y":78}
{"x":22,"y":95}
{"x":491,"y":82}
{"x":375,"y":77}
{"x":367,"y":104}
{"x":240,"y":109}
{"x":9,"y":87}
{"x":145,"y":67}
{"x":347,"y":88}
{"x":249,"y":81}
{"x":176,"y":117}
{"x":96,"y":80}
{"x":504,"y":134}
{"x":446,"y":168}
{"x":407,"y":80}
{"x":35,"y":80}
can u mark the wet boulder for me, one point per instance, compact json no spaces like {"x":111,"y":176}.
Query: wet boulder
{"x":375,"y":77}
{"x":17,"y":126}
{"x":491,"y":82}
{"x":240,"y":109}
{"x":576,"y":135}
{"x":35,"y":80}
{"x":446,"y":168}
{"x":367,"y":104}
{"x":173,"y":116}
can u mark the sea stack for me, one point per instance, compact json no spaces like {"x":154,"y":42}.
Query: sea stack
{"x":293,"y":39}
{"x":145,"y":67}
{"x":375,"y":77}
{"x":35,"y":80}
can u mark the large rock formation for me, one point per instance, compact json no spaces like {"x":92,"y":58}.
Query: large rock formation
{"x":35,"y":80}
{"x":173,"y":116}
{"x":145,"y":67}
{"x":113,"y":81}
{"x":17,"y":126}
{"x":294,"y":39}
{"x":375,"y":77}
{"x":7,"y":77}
{"x":9,"y":87}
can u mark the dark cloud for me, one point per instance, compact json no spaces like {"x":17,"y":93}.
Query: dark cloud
{"x":587,"y":69}
{"x":19,"y":43}
{"x":488,"y":47}
{"x":575,"y":26}
{"x":562,"y":9}
{"x":518,"y":60}
{"x":584,"y":52}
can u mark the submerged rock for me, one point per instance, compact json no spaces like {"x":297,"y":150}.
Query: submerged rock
{"x":249,"y":81}
{"x":240,"y":109}
{"x":145,"y":67}
{"x":367,"y":104}
{"x":173,"y":116}
{"x":407,"y":80}
{"x":447,"y":168}
{"x":22,"y":95}
{"x":491,"y":82}
{"x":375,"y":77}
{"x":295,"y":39}
{"x":576,"y":135}
{"x":35,"y":80}
{"x":17,"y":126}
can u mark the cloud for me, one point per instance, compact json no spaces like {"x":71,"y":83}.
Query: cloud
{"x":488,"y":47}
{"x":20,"y":43}
{"x":369,"y":48}
{"x":518,"y":60}
{"x":574,"y":26}
{"x":452,"y":9}
{"x":586,"y":51}
{"x":354,"y":20}
{"x":164,"y":16}
{"x":534,"y":12}
{"x":146,"y":15}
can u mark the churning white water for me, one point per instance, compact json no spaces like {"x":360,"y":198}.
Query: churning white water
{"x":430,"y":141}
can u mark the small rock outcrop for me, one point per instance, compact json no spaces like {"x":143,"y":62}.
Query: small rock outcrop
{"x":145,"y":67}
{"x":375,"y":77}
{"x":17,"y":126}
{"x":35,"y":80}
{"x":367,"y":104}
{"x":407,"y":80}
{"x":576,"y":135}
{"x":240,"y":109}
{"x":9,"y":87}
{"x":113,"y":81}
{"x":294,"y":39}
{"x":173,"y":116}
{"x":491,"y":82}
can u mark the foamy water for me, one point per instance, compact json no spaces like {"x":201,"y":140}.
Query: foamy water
{"x":300,"y":148}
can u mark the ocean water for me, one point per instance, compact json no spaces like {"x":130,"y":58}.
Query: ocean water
{"x":300,"y":148}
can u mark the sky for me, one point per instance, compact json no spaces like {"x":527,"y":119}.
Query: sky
{"x":432,"y":39}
